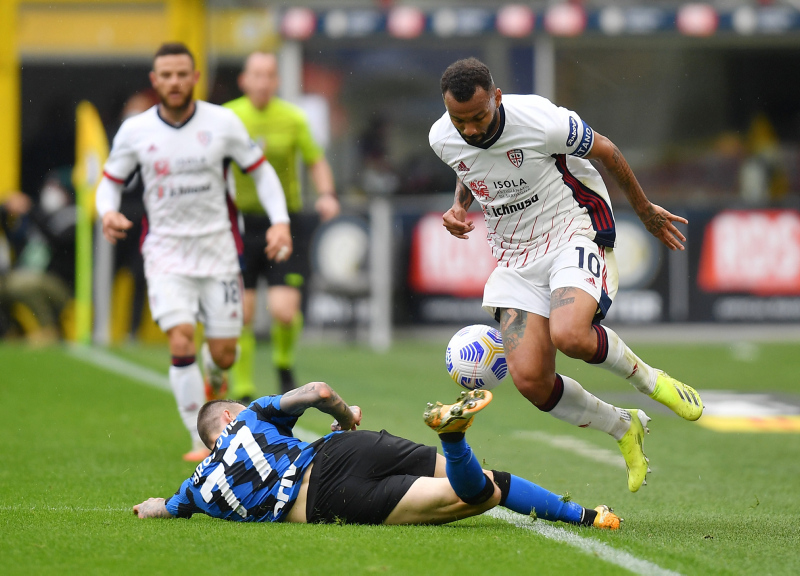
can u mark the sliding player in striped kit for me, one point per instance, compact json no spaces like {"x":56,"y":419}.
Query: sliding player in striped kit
{"x":191,"y":246}
{"x":552,"y":232}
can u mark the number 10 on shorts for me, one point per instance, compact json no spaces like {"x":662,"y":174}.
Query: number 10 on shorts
{"x":592,"y":263}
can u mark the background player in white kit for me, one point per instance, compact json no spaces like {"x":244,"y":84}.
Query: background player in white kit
{"x":191,"y":244}
{"x":552,"y":232}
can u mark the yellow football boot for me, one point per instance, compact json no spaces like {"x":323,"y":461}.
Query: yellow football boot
{"x":631,"y":447}
{"x":678,"y":397}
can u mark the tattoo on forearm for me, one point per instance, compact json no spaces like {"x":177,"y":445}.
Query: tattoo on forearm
{"x":561,"y":297}
{"x":512,"y":327}
{"x":463,"y":195}
{"x":622,"y":171}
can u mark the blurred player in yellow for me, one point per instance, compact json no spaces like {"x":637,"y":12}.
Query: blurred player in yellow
{"x":282,"y":130}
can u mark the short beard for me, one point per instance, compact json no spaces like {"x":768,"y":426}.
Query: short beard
{"x":181,"y":108}
{"x":492,"y":129}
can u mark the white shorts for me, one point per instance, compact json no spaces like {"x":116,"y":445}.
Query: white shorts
{"x":579,"y":264}
{"x":215,"y":301}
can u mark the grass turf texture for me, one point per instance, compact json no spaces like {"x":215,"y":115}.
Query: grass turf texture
{"x":82,"y":445}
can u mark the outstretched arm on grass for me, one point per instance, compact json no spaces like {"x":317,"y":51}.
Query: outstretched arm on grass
{"x":152,"y":508}
{"x":325,"y":399}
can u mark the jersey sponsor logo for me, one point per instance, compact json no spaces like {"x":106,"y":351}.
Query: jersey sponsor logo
{"x":507,"y":209}
{"x":204,"y":136}
{"x":191,"y":164}
{"x":515,"y":156}
{"x":501,"y":184}
{"x":479,"y":188}
{"x":573,"y":131}
{"x":161,"y":167}
{"x":510,"y":188}
{"x":462,"y":167}
{"x":586,"y":141}
{"x":183,"y":190}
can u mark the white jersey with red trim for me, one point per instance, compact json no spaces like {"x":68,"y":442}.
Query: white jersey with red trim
{"x":531,"y":179}
{"x":191,"y":225}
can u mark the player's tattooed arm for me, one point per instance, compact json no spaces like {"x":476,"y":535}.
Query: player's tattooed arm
{"x":464,"y":195}
{"x":152,"y":508}
{"x":658,"y":221}
{"x":325,"y":399}
{"x":455,"y":219}
{"x":512,"y":327}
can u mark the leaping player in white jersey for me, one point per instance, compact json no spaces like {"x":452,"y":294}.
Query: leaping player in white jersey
{"x":552,"y":232}
{"x":191,"y":243}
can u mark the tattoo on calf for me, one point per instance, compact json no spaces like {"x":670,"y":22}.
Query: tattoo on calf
{"x":561,"y":297}
{"x":512,"y":327}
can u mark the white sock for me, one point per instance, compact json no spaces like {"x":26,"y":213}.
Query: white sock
{"x":580,"y":408}
{"x":187,"y":386}
{"x":621,"y":361}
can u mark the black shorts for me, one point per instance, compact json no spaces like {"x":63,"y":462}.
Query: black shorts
{"x":359,"y":477}
{"x":294,"y":271}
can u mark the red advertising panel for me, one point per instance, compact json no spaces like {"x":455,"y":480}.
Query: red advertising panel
{"x":443,"y":264}
{"x":752,"y":251}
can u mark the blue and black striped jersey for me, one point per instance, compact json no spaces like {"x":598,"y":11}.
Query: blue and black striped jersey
{"x":254,"y":471}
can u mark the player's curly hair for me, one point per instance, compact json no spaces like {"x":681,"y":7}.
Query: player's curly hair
{"x":208,"y":418}
{"x":463,"y":77}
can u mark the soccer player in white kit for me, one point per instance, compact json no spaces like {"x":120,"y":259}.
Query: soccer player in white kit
{"x":191,"y":243}
{"x":552,"y":232}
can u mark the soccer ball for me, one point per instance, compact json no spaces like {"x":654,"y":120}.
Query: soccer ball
{"x":475,"y":358}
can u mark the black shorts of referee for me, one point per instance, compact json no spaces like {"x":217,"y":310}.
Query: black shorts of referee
{"x":293,"y":272}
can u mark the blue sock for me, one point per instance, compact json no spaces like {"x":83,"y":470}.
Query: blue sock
{"x":463,"y":470}
{"x":524,"y":496}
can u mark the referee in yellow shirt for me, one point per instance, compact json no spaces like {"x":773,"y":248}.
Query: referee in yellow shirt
{"x":282,"y":130}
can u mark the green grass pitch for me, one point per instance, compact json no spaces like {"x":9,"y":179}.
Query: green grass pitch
{"x":82,"y":444}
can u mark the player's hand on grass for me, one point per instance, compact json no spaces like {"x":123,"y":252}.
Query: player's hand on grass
{"x":336,"y":427}
{"x":327,"y":206}
{"x":659,"y":222}
{"x":152,"y":508}
{"x":279,"y":242}
{"x":455,"y":220}
{"x":115,"y":226}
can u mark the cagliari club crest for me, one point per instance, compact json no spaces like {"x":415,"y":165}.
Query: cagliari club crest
{"x":515,"y":157}
{"x":205,"y":137}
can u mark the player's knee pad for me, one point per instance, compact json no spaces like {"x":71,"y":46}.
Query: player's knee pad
{"x":482,"y":496}
{"x":503,"y":481}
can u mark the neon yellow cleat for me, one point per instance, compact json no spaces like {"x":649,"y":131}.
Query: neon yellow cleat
{"x":632,"y":451}
{"x":606,"y":519}
{"x":456,"y":417}
{"x":678,"y":397}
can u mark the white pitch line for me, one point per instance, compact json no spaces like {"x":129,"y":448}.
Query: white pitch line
{"x":587,"y":545}
{"x":575,"y":445}
{"x":103,"y":359}
{"x":61,"y":509}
